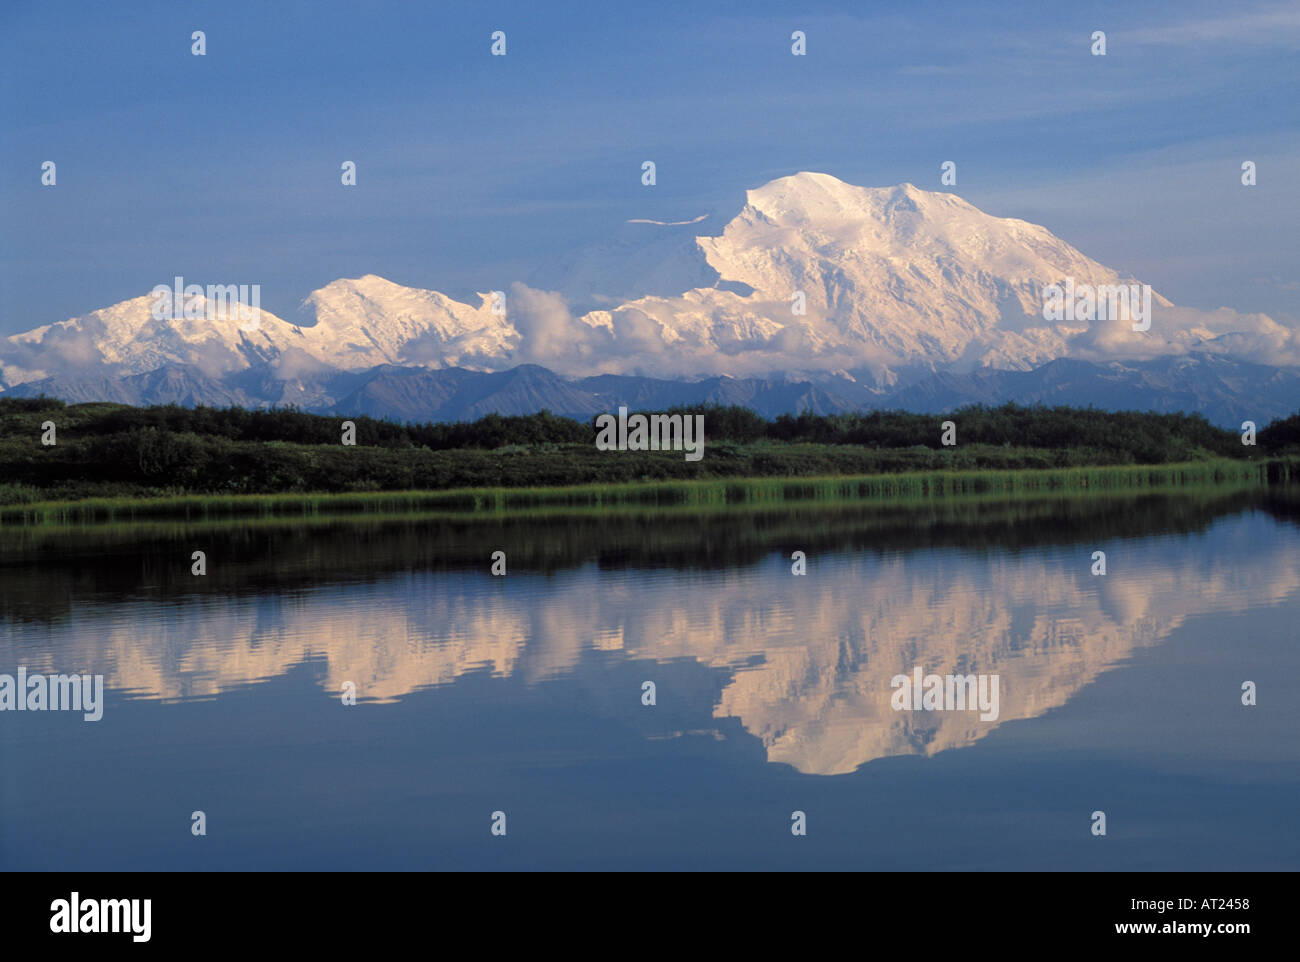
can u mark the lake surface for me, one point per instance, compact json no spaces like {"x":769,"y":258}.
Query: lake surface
{"x":523,"y":694}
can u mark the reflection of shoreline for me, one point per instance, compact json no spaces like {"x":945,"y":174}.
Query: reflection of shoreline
{"x":45,"y":572}
{"x":808,"y":660}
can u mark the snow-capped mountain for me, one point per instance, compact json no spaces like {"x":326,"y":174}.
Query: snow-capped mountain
{"x":887,"y":277}
{"x":353,"y":324}
{"x":347,"y":325}
{"x":127,"y":339}
{"x":865,"y":290}
{"x":898,"y":277}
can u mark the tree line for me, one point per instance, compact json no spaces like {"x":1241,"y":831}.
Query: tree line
{"x":1138,"y":432}
{"x":106,"y":448}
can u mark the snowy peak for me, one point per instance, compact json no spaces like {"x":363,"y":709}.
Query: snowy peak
{"x":349,"y":325}
{"x":899,"y":275}
{"x":813,"y":198}
{"x":135,"y":336}
{"x":902,"y":221}
{"x":366,"y":321}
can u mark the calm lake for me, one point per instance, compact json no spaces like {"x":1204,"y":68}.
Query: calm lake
{"x":524,"y":694}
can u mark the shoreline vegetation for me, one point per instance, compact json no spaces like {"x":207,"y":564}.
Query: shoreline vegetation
{"x":709,"y":494}
{"x":113,"y":462}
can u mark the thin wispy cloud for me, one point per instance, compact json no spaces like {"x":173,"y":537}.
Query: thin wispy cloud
{"x":1277,"y":26}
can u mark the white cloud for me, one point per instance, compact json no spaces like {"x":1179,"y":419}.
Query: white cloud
{"x":1275,"y":25}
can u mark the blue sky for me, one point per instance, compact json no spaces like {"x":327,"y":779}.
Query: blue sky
{"x":474,"y":169}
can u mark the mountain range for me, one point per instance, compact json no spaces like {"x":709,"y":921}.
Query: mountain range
{"x":818,"y":295}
